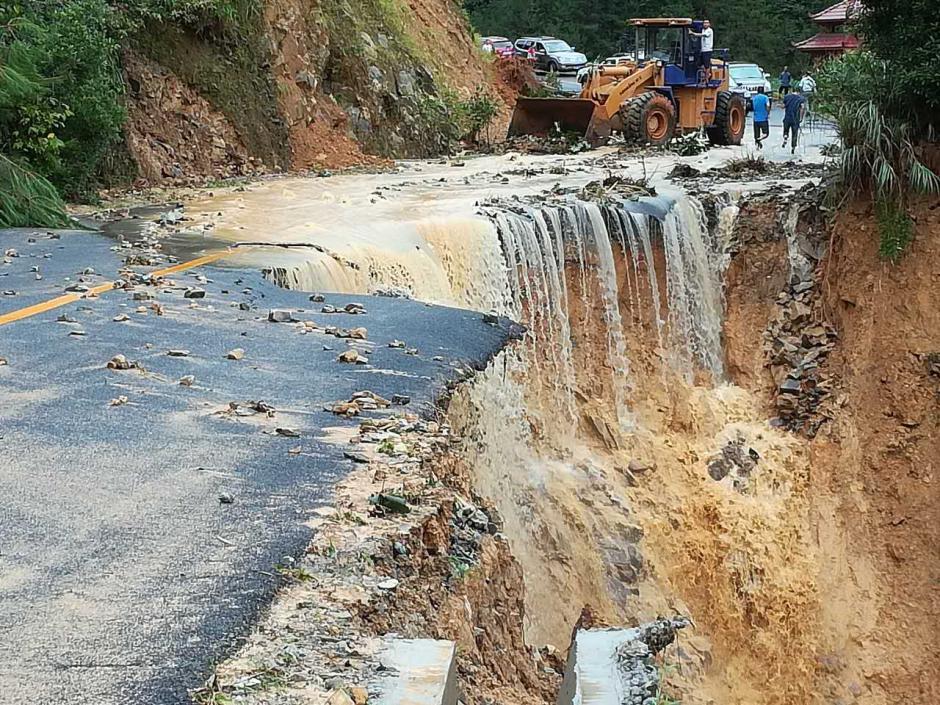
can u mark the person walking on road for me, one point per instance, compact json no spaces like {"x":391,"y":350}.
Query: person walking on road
{"x":794,"y":107}
{"x":785,"y":79}
{"x":708,"y":42}
{"x":808,"y":89}
{"x":760,"y":105}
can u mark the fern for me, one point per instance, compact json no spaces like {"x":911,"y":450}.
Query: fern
{"x":27,"y":199}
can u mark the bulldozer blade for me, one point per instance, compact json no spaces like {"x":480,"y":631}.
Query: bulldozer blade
{"x":542,"y":116}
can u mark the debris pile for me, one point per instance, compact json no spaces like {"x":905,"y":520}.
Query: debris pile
{"x":737,"y":460}
{"x":639,"y":674}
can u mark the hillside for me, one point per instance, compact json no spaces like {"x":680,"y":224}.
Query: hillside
{"x":180,"y":89}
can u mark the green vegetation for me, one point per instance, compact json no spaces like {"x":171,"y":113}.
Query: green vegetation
{"x":62,"y":94}
{"x":754,"y":30}
{"x":886,"y":104}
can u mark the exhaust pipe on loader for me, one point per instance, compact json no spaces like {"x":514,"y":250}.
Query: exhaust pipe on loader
{"x":540,"y":116}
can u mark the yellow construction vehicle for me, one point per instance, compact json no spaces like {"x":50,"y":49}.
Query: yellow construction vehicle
{"x":658,"y":92}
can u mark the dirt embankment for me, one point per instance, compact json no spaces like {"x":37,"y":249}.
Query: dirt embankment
{"x":875,"y":483}
{"x":303,"y":85}
{"x":872,"y":495}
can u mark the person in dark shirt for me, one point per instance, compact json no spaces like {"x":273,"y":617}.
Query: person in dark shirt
{"x":794,"y":106}
{"x":760,"y":104}
{"x":785,"y":79}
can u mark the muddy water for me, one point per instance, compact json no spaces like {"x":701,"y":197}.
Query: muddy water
{"x":592,"y":436}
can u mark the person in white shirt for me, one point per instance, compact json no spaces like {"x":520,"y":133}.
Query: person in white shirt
{"x":808,"y":88}
{"x":708,"y":42}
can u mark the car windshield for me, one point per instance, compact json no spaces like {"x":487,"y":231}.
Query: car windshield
{"x":747,"y":73}
{"x":503,"y":45}
{"x":557,"y":45}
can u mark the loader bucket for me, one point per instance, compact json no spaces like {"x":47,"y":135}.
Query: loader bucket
{"x":540,"y":116}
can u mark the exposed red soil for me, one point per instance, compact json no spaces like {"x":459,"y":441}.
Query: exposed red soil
{"x":876,"y":469}
{"x":173,"y":134}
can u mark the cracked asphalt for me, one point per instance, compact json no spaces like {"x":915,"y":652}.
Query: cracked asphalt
{"x":123,"y":577}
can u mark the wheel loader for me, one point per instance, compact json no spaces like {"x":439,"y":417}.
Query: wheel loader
{"x":659,"y":91}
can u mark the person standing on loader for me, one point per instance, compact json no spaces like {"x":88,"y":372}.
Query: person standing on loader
{"x":707,"y":36}
{"x":794,"y":107}
{"x":761,"y":107}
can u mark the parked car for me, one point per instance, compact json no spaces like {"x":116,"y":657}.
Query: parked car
{"x":614,"y":60}
{"x":502,"y":47}
{"x":746,"y":78}
{"x":551,"y":54}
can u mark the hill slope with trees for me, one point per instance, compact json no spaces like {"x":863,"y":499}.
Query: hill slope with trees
{"x":754,"y":30}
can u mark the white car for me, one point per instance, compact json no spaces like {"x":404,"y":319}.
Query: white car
{"x":745,"y":79}
{"x":615,"y":60}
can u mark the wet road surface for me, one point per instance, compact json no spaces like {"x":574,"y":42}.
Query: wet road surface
{"x":123,"y":577}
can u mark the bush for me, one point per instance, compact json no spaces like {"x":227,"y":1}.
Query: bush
{"x":60,"y":91}
{"x":881,"y":142}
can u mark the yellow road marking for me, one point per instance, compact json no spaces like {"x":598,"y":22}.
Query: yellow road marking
{"x":58,"y":301}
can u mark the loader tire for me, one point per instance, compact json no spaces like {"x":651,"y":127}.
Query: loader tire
{"x":730,"y":115}
{"x":649,"y":118}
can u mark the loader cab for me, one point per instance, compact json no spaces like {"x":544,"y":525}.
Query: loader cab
{"x":667,"y":40}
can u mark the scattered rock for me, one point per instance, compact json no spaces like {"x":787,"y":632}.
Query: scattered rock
{"x":4,"y":362}
{"x":187,"y":380}
{"x":236,"y":354}
{"x":388,"y":584}
{"x":289,"y":432}
{"x":226,"y":498}
{"x":401,"y":399}
{"x":78,"y":288}
{"x":348,"y":409}
{"x":194,"y":293}
{"x":142,"y":296}
{"x":339,"y":697}
{"x":65,"y":318}
{"x":77,"y":333}
{"x":276,"y":315}
{"x":356,"y":457}
{"x":119,"y":401}
{"x":250,"y":408}
{"x":353,"y":356}
{"x":390,"y":502}
{"x":396,"y":344}
{"x":178,"y":353}
{"x":317,"y":298}
{"x":120,"y":362}
{"x":121,"y":317}
{"x":354,"y":308}
{"x":640,"y":466}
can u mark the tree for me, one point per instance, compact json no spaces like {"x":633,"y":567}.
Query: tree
{"x":754,"y":30}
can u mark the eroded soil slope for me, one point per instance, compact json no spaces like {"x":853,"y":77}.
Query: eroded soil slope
{"x":874,"y":472}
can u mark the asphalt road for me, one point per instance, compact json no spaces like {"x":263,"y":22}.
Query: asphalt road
{"x":122,"y":576}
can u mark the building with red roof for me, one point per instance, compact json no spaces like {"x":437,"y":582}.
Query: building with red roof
{"x":832,"y":39}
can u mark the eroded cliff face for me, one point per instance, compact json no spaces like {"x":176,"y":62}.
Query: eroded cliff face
{"x":303,"y":84}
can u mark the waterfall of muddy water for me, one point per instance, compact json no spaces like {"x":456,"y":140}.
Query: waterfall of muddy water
{"x":616,"y":503}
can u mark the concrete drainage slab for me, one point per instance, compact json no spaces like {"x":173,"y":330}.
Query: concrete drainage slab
{"x":616,"y":666}
{"x":420,"y":672}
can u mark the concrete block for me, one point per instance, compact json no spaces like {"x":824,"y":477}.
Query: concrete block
{"x":592,"y":675}
{"x":421,"y":672}
{"x":616,"y":666}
